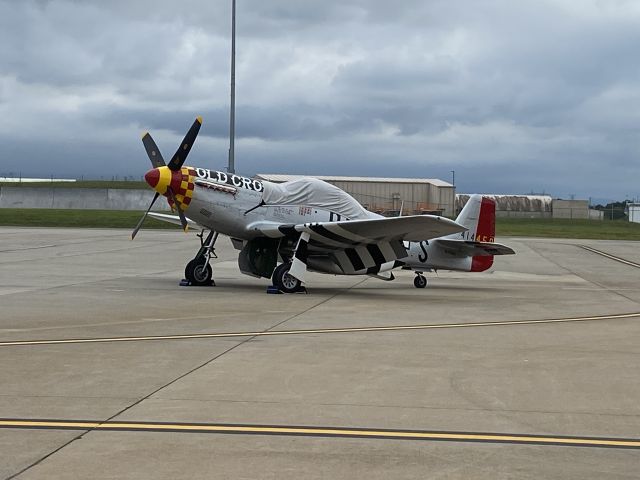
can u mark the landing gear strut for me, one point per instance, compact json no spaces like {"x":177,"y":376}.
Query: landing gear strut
{"x":198,"y":271}
{"x":420,"y":281}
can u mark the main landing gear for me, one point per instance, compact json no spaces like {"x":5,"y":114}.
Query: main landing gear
{"x":198,"y":271}
{"x":420,"y":281}
{"x":283,"y":281}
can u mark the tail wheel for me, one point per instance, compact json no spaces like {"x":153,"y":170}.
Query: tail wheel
{"x":420,"y":281}
{"x":285,"y":282}
{"x":198,"y":273}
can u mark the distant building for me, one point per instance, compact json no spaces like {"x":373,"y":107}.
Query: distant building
{"x":634,"y":212}
{"x":536,"y":206}
{"x":596,"y":214}
{"x":388,"y":196}
{"x":571,"y":209}
{"x":516,"y":206}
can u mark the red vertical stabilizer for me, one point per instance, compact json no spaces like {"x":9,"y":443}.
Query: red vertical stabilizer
{"x":485,"y":232}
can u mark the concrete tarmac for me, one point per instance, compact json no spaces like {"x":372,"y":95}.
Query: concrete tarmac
{"x":494,"y":400}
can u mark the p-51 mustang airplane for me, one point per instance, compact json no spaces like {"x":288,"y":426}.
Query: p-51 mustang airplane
{"x":308,"y":224}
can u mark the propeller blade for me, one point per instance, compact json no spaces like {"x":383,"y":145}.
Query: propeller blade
{"x":135,"y":230}
{"x":152,"y":150}
{"x":183,"y":220}
{"x":181,"y":154}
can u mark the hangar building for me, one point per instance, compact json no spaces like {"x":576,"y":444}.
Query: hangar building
{"x":387,"y":195}
{"x":516,"y":206}
{"x":537,"y":206}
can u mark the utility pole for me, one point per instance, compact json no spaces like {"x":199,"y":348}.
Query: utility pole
{"x":232,"y":116}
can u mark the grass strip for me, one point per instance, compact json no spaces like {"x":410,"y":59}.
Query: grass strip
{"x":35,"y":217}
{"x":520,"y":227}
{"x":120,"y":184}
{"x":568,"y":228}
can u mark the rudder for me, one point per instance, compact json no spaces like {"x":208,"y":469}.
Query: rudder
{"x":479,"y":216}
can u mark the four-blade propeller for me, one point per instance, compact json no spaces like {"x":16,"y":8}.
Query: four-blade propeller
{"x":175,"y":164}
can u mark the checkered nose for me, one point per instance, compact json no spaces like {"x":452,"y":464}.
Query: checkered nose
{"x":171,"y":180}
{"x":180,"y":182}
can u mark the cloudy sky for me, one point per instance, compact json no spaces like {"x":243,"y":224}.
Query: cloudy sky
{"x":515,"y":96}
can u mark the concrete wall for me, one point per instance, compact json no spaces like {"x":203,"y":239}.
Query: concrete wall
{"x":78,"y":198}
{"x":570,"y":208}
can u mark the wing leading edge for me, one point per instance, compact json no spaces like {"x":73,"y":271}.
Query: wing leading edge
{"x":348,"y":233}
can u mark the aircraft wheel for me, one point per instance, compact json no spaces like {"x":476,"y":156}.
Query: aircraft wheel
{"x":197,"y":274}
{"x":420,"y":281}
{"x":285,"y":282}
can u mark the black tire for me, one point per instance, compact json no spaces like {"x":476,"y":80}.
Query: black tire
{"x":283,"y":281}
{"x":197,"y":274}
{"x":420,"y":281}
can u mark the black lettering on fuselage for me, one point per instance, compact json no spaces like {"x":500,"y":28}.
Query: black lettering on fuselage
{"x":423,"y":246}
{"x":233,"y":180}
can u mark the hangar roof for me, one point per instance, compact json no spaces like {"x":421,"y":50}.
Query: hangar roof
{"x":275,"y":177}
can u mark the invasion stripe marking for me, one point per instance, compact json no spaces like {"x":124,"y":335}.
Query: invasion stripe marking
{"x":321,"y":230}
{"x":342,"y":231}
{"x":392,"y":328}
{"x":612,"y":257}
{"x":323,"y":246}
{"x":399,"y":249}
{"x":355,"y":259}
{"x":376,"y":254}
{"x":386,"y":434}
{"x":365,"y":256}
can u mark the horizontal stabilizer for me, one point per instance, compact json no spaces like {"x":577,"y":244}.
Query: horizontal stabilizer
{"x":463,"y":248}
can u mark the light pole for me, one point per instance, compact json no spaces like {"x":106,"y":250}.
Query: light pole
{"x":232,"y":115}
{"x":453,"y":173}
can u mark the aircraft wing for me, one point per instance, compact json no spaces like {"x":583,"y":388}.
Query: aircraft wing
{"x":175,"y":219}
{"x":348,"y":233}
{"x":357,"y":246}
{"x":463,"y":248}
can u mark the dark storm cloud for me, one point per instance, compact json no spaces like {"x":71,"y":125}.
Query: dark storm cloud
{"x":514,"y":96}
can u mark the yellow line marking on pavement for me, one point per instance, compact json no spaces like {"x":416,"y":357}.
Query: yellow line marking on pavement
{"x":324,"y":432}
{"x":272,"y":333}
{"x":612,"y":257}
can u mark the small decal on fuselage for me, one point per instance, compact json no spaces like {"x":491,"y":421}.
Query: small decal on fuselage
{"x":471,"y":237}
{"x":282,"y":212}
{"x":230,"y":179}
